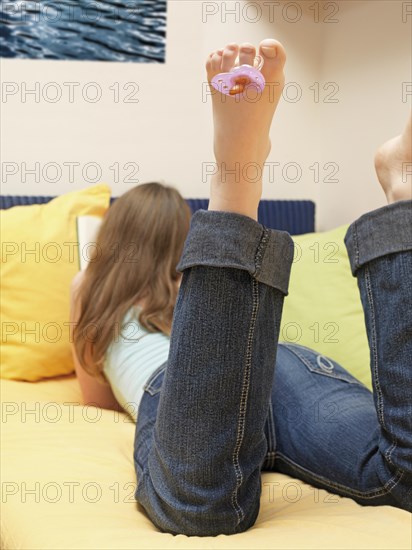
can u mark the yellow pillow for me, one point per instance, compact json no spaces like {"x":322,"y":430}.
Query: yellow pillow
{"x":323,"y":310}
{"x":38,"y":261}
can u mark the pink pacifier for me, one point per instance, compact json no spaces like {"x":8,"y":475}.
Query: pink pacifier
{"x":241,"y":77}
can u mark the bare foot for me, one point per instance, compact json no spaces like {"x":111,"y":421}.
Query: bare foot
{"x":393,"y":163}
{"x":242,"y":124}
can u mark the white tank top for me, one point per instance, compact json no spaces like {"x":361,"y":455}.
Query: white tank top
{"x":131,"y":358}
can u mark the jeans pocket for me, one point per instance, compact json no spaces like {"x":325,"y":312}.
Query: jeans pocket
{"x":320,"y":364}
{"x":155,"y":380}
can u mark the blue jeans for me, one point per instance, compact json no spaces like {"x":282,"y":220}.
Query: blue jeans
{"x":230,"y":402}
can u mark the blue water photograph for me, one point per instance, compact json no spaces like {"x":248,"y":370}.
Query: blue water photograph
{"x":107,"y":30}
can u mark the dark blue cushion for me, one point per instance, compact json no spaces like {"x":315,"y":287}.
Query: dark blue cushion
{"x":296,"y":217}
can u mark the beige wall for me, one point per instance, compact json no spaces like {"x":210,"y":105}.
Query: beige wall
{"x":369,"y":55}
{"x":167,"y":135}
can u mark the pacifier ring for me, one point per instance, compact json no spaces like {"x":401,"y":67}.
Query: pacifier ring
{"x":260,"y":62}
{"x":257,"y":62}
{"x":238,"y":79}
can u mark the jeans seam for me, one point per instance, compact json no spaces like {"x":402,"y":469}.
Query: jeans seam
{"x":148,"y":387}
{"x":269,"y":462}
{"x":271,"y":454}
{"x":261,"y":250}
{"x":272,"y":426}
{"x":243,"y":403}
{"x":379,"y":394}
{"x":374,"y":358}
{"x":371,"y":493}
{"x":388,"y":454}
{"x":356,"y":244}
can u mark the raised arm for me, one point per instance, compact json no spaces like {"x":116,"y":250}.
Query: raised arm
{"x":94,"y":392}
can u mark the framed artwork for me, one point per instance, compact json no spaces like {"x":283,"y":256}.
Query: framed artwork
{"x":106,"y":30}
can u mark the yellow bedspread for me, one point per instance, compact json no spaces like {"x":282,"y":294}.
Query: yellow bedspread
{"x":68,"y":481}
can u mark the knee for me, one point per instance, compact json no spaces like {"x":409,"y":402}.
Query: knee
{"x":199,"y":523}
{"x":189,"y":517}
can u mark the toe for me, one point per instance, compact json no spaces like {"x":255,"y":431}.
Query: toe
{"x":274,"y":57}
{"x":247,"y":54}
{"x":216,"y":62}
{"x":407,"y":134}
{"x":229,"y":57}
{"x":208,"y":64}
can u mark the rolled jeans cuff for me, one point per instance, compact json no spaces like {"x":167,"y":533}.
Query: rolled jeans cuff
{"x":384,"y":231}
{"x":228,"y":239}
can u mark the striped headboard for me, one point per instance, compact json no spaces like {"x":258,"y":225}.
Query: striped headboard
{"x":295,"y":216}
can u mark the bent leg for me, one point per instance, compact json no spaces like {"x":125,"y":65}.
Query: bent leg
{"x":380,"y":252}
{"x":324,"y":426}
{"x":199,"y":472}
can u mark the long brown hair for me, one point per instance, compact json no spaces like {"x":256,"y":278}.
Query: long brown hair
{"x":137,"y":249}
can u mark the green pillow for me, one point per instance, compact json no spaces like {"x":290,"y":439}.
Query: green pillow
{"x":323,"y":310}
